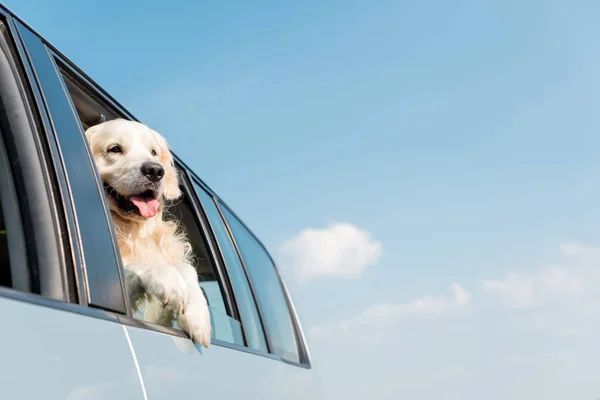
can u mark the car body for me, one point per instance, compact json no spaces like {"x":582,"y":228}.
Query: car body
{"x":69,"y":331}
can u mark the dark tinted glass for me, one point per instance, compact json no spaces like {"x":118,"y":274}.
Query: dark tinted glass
{"x":13,"y":262}
{"x":268,"y":290}
{"x":5,"y":279}
{"x":246,"y":305}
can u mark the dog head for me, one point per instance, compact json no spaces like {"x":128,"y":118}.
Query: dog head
{"x":135,"y":166}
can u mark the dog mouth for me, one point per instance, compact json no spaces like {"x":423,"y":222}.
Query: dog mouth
{"x":145,"y":204}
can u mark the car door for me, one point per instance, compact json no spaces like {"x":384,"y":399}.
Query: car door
{"x":57,"y":341}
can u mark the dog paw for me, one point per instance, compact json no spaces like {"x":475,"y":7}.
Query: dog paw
{"x":166,"y":283}
{"x":195,"y":321}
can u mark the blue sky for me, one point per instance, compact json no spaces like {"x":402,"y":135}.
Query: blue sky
{"x":458,"y":142}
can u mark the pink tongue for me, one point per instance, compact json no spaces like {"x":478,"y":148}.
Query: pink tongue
{"x":148,"y":206}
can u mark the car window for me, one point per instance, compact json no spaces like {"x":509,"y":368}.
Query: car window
{"x":247,"y":306}
{"x":92,"y":108}
{"x":268,"y":289}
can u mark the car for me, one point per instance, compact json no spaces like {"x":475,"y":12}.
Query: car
{"x":69,"y":332}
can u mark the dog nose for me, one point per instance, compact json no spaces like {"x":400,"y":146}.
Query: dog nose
{"x":153,"y":171}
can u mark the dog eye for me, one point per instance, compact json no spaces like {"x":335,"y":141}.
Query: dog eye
{"x":115,"y":149}
{"x":154,"y":153}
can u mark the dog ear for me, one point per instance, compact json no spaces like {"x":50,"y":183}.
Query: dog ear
{"x":172,"y":191}
{"x":89,"y":133}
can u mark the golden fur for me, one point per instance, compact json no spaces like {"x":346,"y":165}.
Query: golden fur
{"x":156,"y":253}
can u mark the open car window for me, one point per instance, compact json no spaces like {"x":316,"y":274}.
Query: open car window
{"x":92,"y":109}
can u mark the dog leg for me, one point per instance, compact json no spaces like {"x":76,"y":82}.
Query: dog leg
{"x":164,"y":282}
{"x":135,"y":289}
{"x":195,"y":319}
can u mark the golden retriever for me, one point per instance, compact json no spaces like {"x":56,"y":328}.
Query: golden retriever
{"x":139,"y":174}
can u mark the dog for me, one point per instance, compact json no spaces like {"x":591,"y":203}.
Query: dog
{"x":139,"y":176}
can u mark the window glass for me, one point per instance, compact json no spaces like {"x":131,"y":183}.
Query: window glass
{"x":14,"y":271}
{"x":246,"y":304}
{"x":268,"y":290}
{"x":5,"y":278}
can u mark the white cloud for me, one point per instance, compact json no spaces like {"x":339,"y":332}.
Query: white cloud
{"x":341,"y":250}
{"x":384,"y":314}
{"x":515,"y":287}
{"x":429,"y":347}
{"x":547,"y":284}
{"x":576,"y":249}
{"x":461,"y":296}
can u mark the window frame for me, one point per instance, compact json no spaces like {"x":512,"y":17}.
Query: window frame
{"x":99,"y":258}
{"x":219,"y":250}
{"x":41,"y":154}
{"x":301,"y":344}
{"x":263,"y":324}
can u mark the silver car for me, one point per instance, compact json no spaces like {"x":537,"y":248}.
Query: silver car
{"x":68,"y":330}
